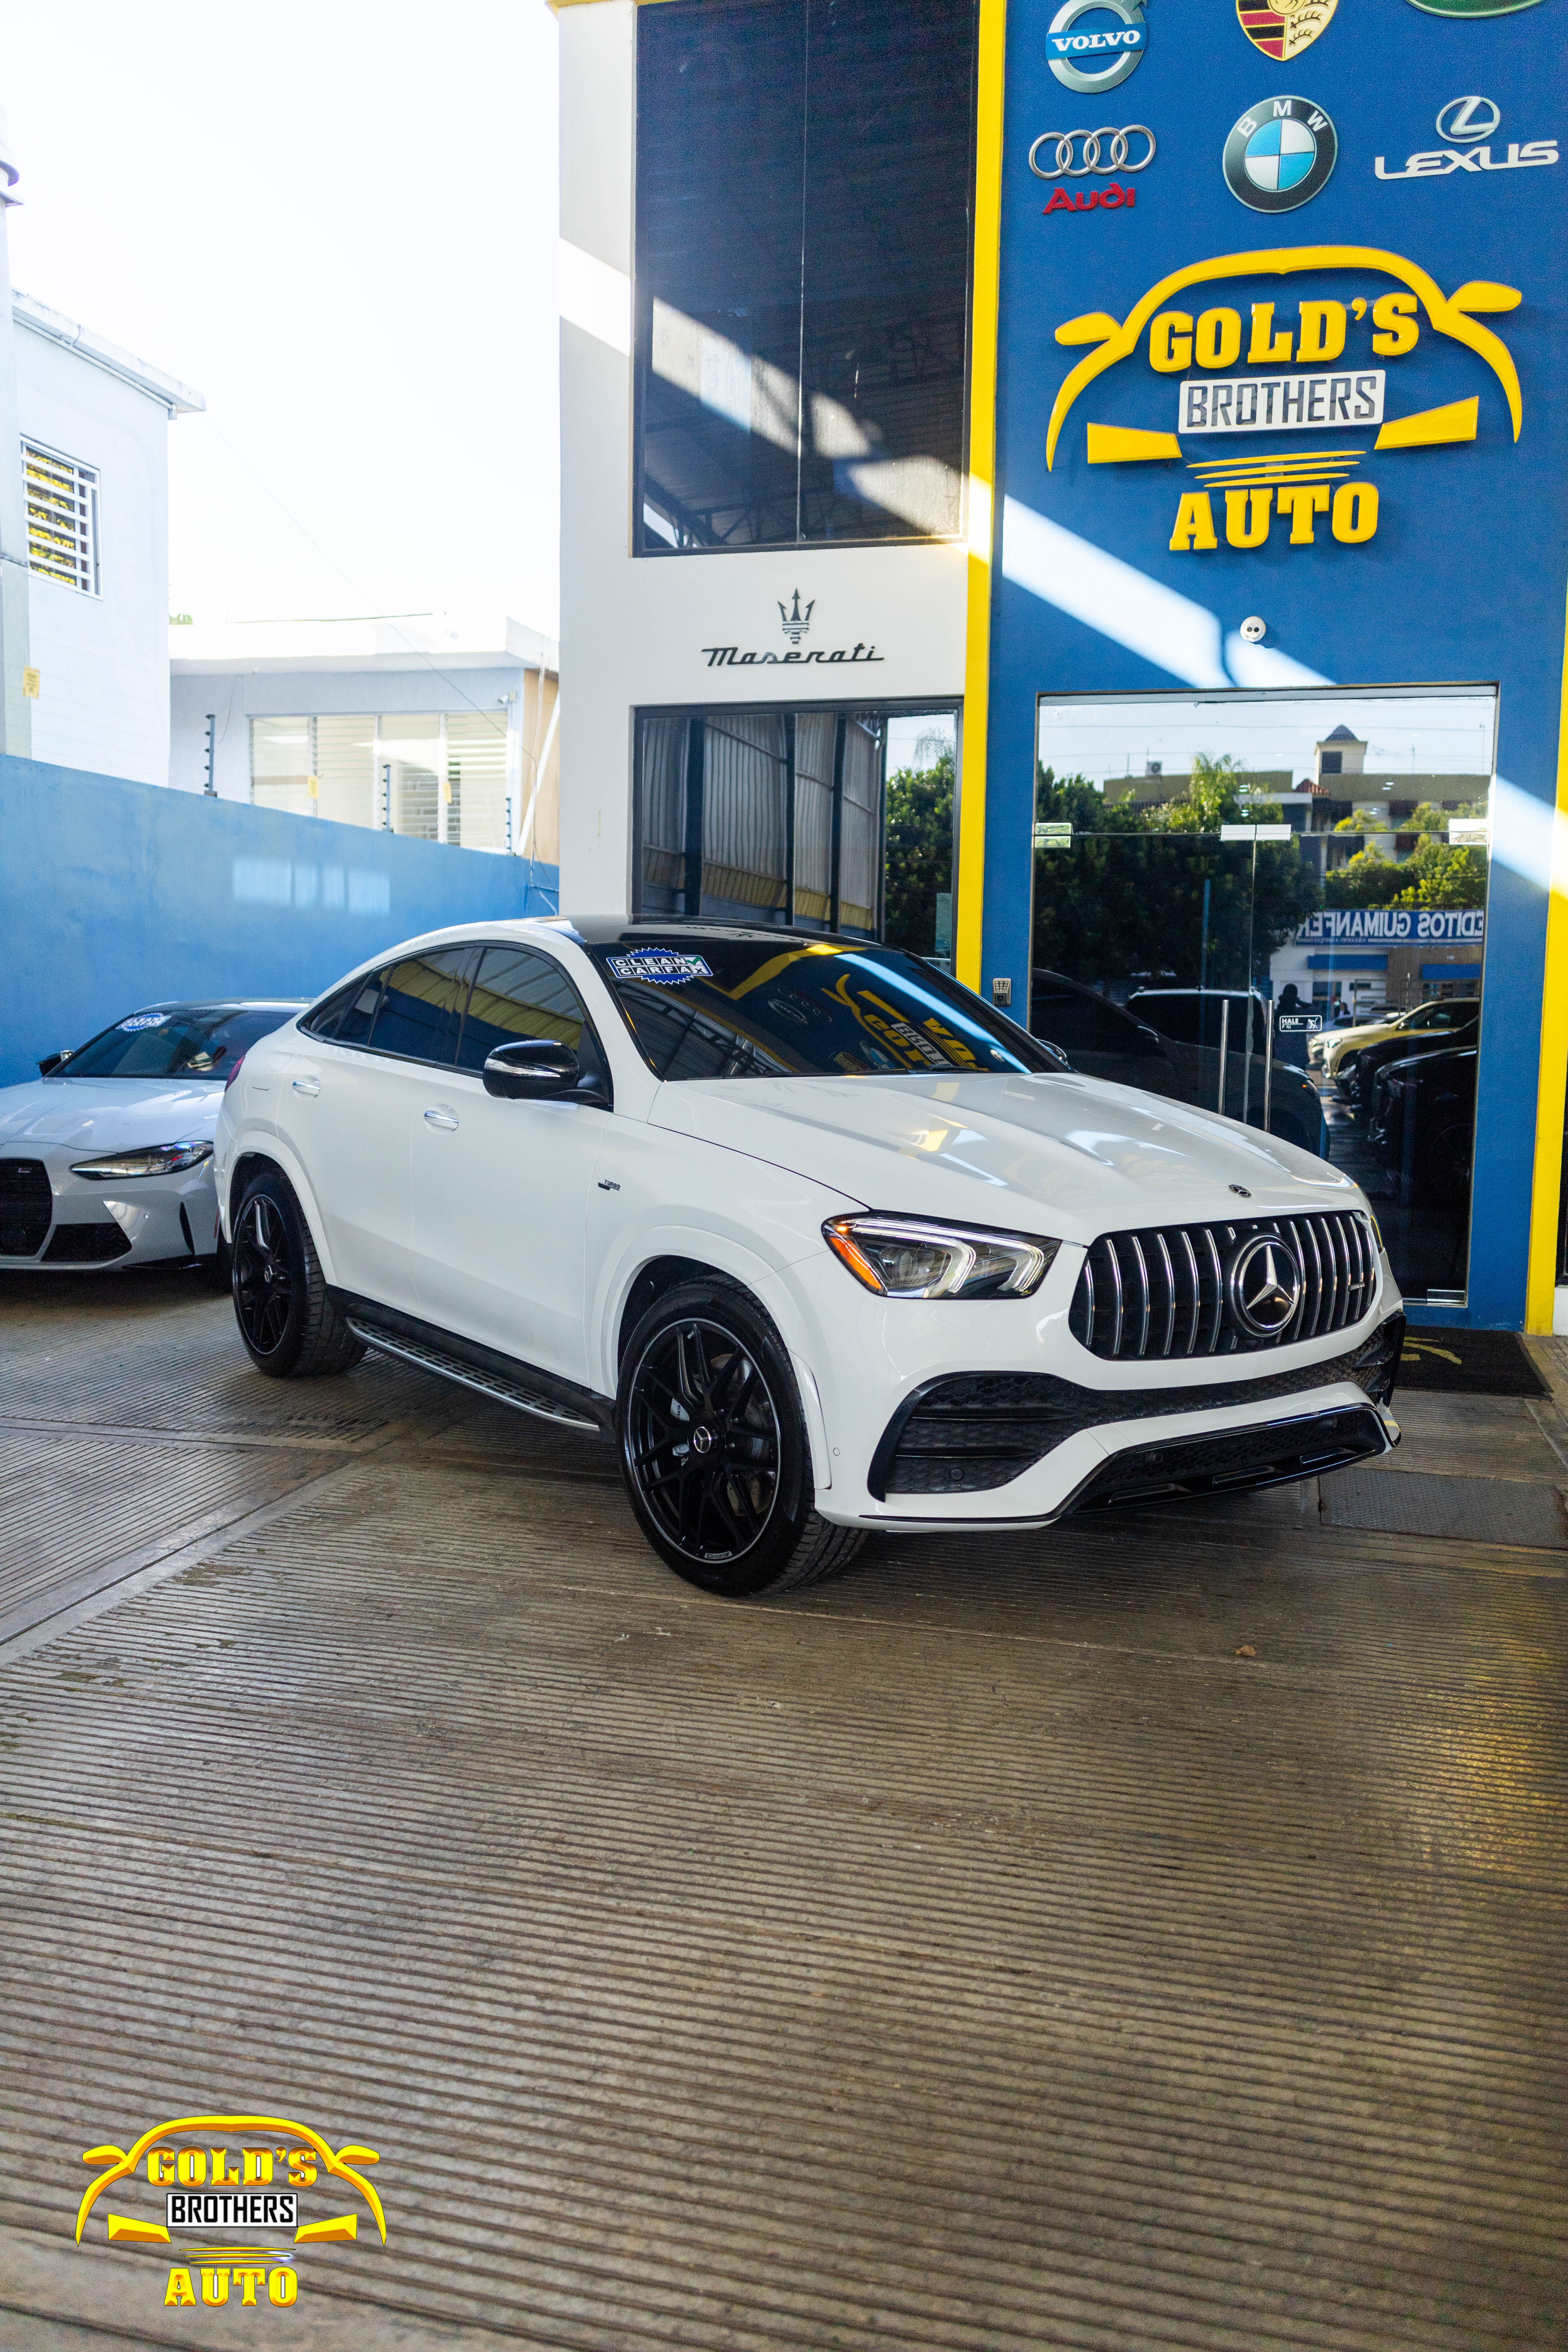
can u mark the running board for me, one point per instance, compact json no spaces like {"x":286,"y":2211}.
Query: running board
{"x":499,"y":1387}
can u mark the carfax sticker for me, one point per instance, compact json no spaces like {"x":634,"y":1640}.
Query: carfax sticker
{"x":667,"y":967}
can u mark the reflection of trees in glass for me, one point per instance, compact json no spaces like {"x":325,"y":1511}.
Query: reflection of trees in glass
{"x":919,"y":852}
{"x":1434,"y":874}
{"x":1128,"y":898}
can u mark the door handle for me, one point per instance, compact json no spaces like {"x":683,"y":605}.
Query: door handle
{"x":440,"y":1116}
{"x":307,"y":1085}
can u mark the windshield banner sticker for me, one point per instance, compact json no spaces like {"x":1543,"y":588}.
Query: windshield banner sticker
{"x":666,"y":967}
{"x":144,"y":1021}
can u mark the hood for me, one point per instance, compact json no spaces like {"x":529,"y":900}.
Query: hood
{"x":99,"y":1114}
{"x":1066,"y":1155}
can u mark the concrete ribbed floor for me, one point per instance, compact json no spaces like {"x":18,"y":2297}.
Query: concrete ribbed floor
{"x":974,"y":1953}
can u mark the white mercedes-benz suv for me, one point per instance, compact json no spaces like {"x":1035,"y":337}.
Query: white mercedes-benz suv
{"x":821,"y":1243}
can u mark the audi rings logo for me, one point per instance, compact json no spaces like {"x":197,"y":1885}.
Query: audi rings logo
{"x":1065,"y":144}
{"x":1263,"y":1286}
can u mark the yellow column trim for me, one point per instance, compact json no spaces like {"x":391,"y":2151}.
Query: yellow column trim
{"x":989,"y":84}
{"x":1542,"y":1286}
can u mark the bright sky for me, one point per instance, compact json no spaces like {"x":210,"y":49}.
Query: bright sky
{"x":339,"y":223}
{"x":1433,"y":732}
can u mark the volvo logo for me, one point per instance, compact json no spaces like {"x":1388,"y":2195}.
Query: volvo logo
{"x":1065,"y":144}
{"x":1263,"y":1286}
{"x":1468,"y":117}
{"x":1095,"y":60}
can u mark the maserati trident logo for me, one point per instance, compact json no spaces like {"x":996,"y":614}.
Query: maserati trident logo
{"x":795,"y":622}
{"x":1263,"y":1286}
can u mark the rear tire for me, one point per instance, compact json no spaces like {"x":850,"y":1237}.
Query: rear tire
{"x":290,"y":1326}
{"x":714,"y":1451}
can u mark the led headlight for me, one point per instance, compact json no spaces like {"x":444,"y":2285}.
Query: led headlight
{"x":916,"y":1257}
{"x":158,"y":1160}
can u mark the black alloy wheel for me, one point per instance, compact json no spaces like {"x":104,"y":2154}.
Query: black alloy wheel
{"x":263,"y":1275}
{"x":714,"y":1451}
{"x":290,"y":1325}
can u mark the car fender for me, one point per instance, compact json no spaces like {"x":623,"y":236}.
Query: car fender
{"x":259,"y":1143}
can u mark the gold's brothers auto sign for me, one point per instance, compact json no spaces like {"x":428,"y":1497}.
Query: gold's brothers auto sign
{"x":1319,"y":367}
{"x":227,"y":2194}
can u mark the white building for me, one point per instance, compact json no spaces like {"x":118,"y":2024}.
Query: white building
{"x":84,"y":539}
{"x":94,"y":425}
{"x":433,"y":725}
{"x":764,"y":529}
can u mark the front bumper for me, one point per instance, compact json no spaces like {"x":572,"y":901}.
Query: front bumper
{"x":991,"y":1413}
{"x":54,"y":1222}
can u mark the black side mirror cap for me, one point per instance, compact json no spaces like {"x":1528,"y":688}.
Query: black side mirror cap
{"x":52,"y":1061}
{"x":534,"y":1070}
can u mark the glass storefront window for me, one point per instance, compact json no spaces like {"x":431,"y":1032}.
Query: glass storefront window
{"x":804,"y":182}
{"x":1275,"y":905}
{"x":761,"y":816}
{"x":820,"y":820}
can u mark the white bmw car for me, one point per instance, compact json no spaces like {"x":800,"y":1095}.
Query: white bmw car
{"x":106,"y":1157}
{"x":819,"y":1241}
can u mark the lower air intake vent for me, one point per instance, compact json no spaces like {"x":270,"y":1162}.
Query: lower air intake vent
{"x":1222,"y":1289}
{"x":27,"y":1204}
{"x":85,"y":1245}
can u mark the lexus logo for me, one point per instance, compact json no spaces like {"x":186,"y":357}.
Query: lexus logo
{"x":1263,"y":1286}
{"x":1468,"y":117}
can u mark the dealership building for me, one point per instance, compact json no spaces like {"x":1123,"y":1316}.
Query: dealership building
{"x":1016,"y":458}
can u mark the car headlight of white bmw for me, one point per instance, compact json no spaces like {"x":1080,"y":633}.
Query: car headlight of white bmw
{"x":158,"y":1160}
{"x":919,"y":1257}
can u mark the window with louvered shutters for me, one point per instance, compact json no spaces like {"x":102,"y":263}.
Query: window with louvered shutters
{"x":62,"y":518}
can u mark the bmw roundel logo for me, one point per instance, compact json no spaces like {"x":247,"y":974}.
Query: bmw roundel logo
{"x":1280,"y":154}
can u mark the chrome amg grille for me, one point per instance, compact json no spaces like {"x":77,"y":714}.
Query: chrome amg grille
{"x":1173,"y":1291}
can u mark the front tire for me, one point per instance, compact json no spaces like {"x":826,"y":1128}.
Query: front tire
{"x":714,"y":1451}
{"x":290,"y":1326}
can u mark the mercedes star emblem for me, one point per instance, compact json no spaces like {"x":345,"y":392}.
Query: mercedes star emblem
{"x":1263,"y":1286}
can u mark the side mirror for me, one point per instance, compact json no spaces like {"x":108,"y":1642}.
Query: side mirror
{"x":52,"y":1061}
{"x":532,"y":1071}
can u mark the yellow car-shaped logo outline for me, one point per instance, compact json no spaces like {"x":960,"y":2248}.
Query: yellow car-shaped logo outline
{"x":1450,"y":314}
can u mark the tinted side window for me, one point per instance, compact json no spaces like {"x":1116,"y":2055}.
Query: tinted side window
{"x":422,"y":1004}
{"x":519,"y":994}
{"x":348,"y":1015}
{"x":1082,"y":1023}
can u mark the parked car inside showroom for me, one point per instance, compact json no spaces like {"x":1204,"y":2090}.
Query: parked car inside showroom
{"x":822,"y":1241}
{"x":1422,"y":1124}
{"x":1334,"y":1053}
{"x":1167,"y":1042}
{"x":1358,"y":1077}
{"x":106,"y":1156}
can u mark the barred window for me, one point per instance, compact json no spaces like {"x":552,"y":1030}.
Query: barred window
{"x":62,"y":518}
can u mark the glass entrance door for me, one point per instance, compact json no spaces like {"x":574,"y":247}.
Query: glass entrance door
{"x":1275,"y":905}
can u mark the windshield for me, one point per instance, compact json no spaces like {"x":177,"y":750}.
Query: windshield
{"x":713,"y":1008}
{"x":189,"y":1041}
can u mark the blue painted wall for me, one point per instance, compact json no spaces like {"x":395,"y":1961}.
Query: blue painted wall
{"x":1465,"y":578}
{"x":114,"y":895}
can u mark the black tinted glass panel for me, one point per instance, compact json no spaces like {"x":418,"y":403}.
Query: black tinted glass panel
{"x":1080,"y":1023}
{"x":705,"y":1008}
{"x":192,"y":1043}
{"x":350,"y":1014}
{"x":804,"y":175}
{"x":422,"y":1004}
{"x":519,"y":994}
{"x":1195,"y":1018}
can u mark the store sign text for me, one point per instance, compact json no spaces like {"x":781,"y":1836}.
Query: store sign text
{"x":1242,"y":404}
{"x":731,"y":657}
{"x":1342,"y":926}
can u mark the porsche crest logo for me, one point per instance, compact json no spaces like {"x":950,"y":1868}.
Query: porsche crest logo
{"x":1287,"y":28}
